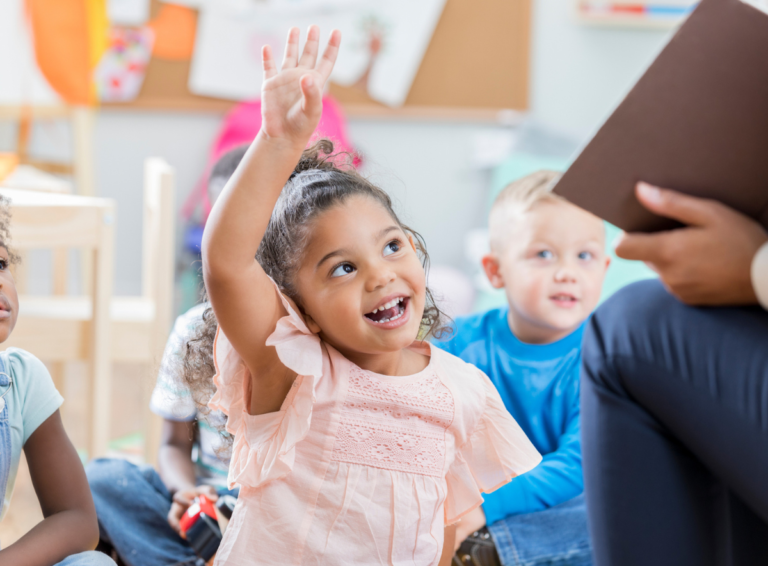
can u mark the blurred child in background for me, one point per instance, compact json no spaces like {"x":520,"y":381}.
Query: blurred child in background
{"x":548,"y":256}
{"x":139,"y":508}
{"x":30,"y":419}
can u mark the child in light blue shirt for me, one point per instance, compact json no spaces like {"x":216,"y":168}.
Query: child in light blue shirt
{"x":30,"y":420}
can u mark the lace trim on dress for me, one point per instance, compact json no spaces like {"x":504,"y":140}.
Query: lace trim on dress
{"x":395,"y":426}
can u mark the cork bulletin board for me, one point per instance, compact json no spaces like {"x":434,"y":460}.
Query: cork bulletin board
{"x":477,"y":64}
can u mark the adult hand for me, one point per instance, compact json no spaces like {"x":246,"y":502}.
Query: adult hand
{"x":182,"y":499}
{"x":470,"y":523}
{"x":707,"y":262}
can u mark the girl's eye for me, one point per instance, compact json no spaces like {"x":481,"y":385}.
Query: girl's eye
{"x":586,"y":256}
{"x":342,"y":269}
{"x":545,"y":254}
{"x":392,"y":247}
{"x":3,"y":264}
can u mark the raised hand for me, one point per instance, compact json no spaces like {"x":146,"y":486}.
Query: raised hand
{"x":291,"y":99}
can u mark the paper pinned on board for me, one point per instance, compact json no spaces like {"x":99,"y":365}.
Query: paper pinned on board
{"x":128,"y":12}
{"x":120,"y":73}
{"x":382,"y":47}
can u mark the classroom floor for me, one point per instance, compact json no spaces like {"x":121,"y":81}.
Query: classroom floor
{"x":127,"y":419}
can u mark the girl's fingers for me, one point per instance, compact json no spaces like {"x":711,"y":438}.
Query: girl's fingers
{"x":309,"y":57}
{"x":328,"y":60}
{"x":291,"y":49}
{"x":268,"y":62}
{"x":312,"y":96}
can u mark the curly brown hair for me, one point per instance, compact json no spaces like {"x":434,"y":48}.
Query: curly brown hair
{"x":320,"y":181}
{"x":5,"y":229}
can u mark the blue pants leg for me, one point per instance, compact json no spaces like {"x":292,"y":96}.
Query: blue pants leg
{"x":132,"y":505}
{"x":87,"y":559}
{"x":675,"y":432}
{"x":557,"y":536}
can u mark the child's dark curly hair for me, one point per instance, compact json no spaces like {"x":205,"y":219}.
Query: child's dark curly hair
{"x":5,"y":228}
{"x":320,"y":181}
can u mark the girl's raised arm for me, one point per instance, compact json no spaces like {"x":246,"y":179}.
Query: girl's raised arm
{"x":242,"y":296}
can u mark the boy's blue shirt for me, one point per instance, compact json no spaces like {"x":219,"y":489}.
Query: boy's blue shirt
{"x":539,"y":385}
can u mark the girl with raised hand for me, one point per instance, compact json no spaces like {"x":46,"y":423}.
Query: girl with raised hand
{"x":355,"y":442}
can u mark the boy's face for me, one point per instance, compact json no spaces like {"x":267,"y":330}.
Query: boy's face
{"x":552,"y":268}
{"x":9,"y":300}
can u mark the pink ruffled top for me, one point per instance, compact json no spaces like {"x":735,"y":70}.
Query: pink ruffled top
{"x":356,"y":467}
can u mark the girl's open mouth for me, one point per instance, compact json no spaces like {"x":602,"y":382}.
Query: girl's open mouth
{"x":390,"y":314}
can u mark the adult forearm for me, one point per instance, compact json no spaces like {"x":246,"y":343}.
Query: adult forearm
{"x":56,"y":537}
{"x":241,"y":214}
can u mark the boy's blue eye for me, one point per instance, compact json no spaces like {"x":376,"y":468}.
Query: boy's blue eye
{"x":391,"y":247}
{"x":342,"y":269}
{"x":586,"y":255}
{"x":545,"y":254}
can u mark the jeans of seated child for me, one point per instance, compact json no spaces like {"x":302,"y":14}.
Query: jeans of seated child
{"x":557,"y":536}
{"x":87,"y":559}
{"x":132,"y":505}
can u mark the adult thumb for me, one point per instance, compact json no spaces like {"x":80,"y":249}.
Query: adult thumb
{"x":689,"y":210}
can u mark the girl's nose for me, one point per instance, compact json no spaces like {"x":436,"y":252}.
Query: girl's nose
{"x":380,"y":277}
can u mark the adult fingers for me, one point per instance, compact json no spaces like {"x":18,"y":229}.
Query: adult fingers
{"x":328,"y":60}
{"x":642,"y":247}
{"x":268,"y":62}
{"x":311,"y":47}
{"x":689,"y":210}
{"x":291,"y":57}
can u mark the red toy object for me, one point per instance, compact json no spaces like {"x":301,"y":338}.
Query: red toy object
{"x":201,"y":504}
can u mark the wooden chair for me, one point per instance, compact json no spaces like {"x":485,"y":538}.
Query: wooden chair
{"x":45,"y":221}
{"x":138,"y":326}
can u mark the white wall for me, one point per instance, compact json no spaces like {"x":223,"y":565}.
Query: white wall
{"x":578,"y":74}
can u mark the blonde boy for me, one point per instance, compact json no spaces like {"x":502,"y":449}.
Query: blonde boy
{"x":549,"y":257}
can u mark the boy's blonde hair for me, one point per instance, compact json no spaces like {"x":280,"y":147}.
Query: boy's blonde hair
{"x":518,"y":198}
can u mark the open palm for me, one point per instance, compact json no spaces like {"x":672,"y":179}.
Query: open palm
{"x":291,"y":99}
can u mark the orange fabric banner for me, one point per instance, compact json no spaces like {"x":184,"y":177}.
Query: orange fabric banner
{"x":69,"y":37}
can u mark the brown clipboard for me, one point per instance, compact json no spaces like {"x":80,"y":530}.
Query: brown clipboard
{"x":696,"y":121}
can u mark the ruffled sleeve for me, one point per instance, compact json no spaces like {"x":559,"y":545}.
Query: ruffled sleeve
{"x":264,"y":446}
{"x":496,"y":451}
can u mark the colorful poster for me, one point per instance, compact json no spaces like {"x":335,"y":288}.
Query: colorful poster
{"x":120,"y":73}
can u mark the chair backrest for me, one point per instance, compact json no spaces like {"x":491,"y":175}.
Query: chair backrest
{"x":158,"y":263}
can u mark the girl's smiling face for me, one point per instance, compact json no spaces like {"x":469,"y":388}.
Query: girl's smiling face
{"x":9,"y":300}
{"x":361,"y":282}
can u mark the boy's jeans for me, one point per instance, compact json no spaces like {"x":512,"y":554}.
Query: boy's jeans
{"x":554,"y":537}
{"x":132,"y":505}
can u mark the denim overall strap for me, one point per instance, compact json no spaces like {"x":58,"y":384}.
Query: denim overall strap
{"x":5,"y":431}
